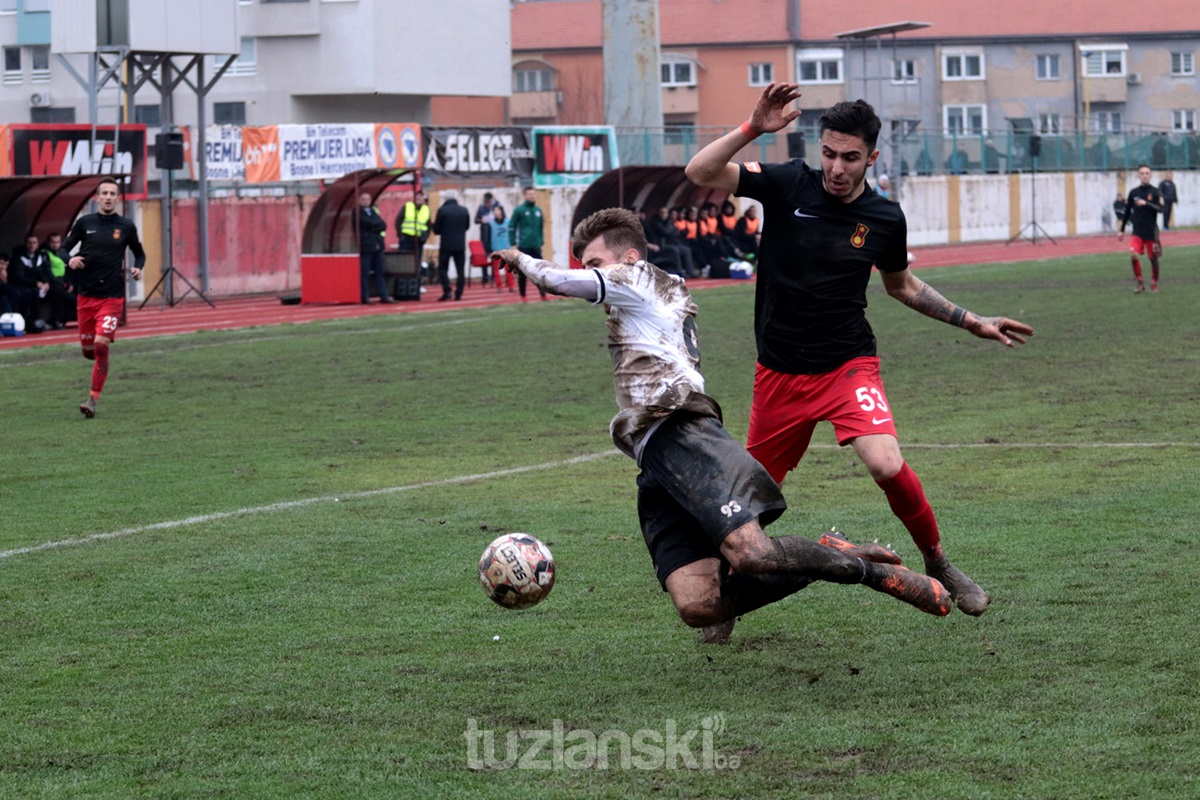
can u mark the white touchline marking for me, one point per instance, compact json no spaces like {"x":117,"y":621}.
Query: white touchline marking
{"x":286,"y":506}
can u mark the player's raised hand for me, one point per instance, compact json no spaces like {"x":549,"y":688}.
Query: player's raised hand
{"x":771,"y":113}
{"x":1002,"y":329}
{"x":508,"y":257}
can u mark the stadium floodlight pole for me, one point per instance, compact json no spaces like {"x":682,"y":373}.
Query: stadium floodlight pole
{"x":1035,"y":150}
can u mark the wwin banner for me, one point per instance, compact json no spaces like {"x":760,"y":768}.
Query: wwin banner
{"x":573,"y":155}
{"x":69,"y":150}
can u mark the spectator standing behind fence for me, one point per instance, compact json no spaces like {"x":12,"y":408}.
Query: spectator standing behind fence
{"x":526,"y":230}
{"x":451,"y":225}
{"x":483,"y":218}
{"x":500,"y":241}
{"x":371,"y":231}
{"x":412,"y":225}
{"x":1169,"y":198}
{"x":1143,"y":206}
{"x":99,"y":278}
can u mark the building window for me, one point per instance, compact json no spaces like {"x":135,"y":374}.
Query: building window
{"x":1100,"y":63}
{"x":679,"y":133}
{"x":819,"y":66}
{"x":1105,"y":122}
{"x":762,"y":74}
{"x":12,"y":65}
{"x":39,"y":63}
{"x":962,"y":66}
{"x":904,"y":128}
{"x":678,"y":72}
{"x":533,"y":80}
{"x":229,"y":113}
{"x":148,"y":115}
{"x":52,"y":116}
{"x":904,"y":70}
{"x":1183,"y":120}
{"x":1183,"y":64}
{"x":1049,"y":124}
{"x":1047,"y":67}
{"x":246,"y":62}
{"x":965,"y":120}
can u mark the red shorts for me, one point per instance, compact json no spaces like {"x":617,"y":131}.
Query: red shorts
{"x":98,"y":316}
{"x":786,"y":409}
{"x":1138,"y":245}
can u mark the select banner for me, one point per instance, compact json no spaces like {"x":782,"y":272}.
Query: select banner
{"x":69,"y":150}
{"x":478,"y":152}
{"x":573,"y":155}
{"x":327,"y":152}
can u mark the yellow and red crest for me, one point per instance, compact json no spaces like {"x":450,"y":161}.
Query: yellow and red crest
{"x":860,"y":235}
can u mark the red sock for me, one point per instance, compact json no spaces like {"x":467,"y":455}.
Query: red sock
{"x":100,"y":368}
{"x":1137,"y":269}
{"x":907,"y":499}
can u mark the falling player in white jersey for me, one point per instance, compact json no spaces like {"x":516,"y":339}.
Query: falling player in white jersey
{"x":703,"y":500}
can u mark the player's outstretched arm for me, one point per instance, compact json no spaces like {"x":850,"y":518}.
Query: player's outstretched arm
{"x":920,"y":296}
{"x":712,"y":166}
{"x":554,"y":279}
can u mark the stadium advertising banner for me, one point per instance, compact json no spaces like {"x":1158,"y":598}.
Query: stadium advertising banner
{"x":478,"y":152}
{"x":223,"y":153}
{"x":573,"y":155}
{"x":326,"y":152}
{"x":69,"y":150}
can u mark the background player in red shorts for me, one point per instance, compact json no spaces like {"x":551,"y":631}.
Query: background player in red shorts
{"x":100,"y":279}
{"x":1143,"y":206}
{"x":824,"y":229}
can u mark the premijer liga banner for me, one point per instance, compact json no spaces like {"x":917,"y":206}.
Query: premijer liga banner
{"x":326,"y":152}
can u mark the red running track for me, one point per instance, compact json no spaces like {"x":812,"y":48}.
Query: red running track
{"x":248,"y":311}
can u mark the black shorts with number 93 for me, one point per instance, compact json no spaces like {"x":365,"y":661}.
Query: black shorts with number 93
{"x":698,"y":485}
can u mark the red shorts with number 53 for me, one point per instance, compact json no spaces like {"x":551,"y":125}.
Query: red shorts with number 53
{"x":98,"y":316}
{"x":786,"y":409}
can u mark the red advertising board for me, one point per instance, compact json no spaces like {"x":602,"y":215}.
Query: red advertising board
{"x":70,"y":150}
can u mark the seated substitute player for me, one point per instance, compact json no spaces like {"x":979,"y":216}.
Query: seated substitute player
{"x":703,"y":500}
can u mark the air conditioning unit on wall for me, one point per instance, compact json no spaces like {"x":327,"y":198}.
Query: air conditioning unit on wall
{"x":1134,"y":78}
{"x":39,"y":100}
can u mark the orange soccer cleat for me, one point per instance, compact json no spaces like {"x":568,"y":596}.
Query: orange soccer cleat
{"x":872,"y":551}
{"x":916,"y":589}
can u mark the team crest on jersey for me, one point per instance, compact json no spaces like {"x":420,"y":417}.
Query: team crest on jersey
{"x":860,"y":235}
{"x":117,"y":234}
{"x":752,"y":166}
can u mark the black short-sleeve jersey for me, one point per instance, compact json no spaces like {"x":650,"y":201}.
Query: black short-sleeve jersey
{"x":103,"y":239}
{"x":1145,"y":218}
{"x":814,"y":265}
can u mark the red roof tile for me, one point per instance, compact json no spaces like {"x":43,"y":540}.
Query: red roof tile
{"x":566,"y":24}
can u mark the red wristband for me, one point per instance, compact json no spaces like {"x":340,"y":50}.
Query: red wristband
{"x":747,"y":131}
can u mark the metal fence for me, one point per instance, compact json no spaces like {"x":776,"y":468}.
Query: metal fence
{"x":940,"y":152}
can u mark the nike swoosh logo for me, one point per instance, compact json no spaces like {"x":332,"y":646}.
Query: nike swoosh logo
{"x":880,"y":421}
{"x":89,"y":232}
{"x":802,"y":215}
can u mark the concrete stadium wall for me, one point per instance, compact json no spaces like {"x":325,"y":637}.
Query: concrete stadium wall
{"x":254,"y":244}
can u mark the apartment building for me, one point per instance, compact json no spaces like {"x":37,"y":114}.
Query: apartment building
{"x":297,"y":61}
{"x":958,"y":84}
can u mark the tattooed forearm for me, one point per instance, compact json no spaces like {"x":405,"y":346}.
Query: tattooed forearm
{"x":930,"y":303}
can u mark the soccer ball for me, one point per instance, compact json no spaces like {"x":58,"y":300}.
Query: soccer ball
{"x":516,"y":570}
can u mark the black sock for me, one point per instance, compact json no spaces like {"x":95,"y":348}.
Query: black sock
{"x":744,"y":592}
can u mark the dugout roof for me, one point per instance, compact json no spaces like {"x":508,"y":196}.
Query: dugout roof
{"x":650,"y":188}
{"x":43,"y":205}
{"x":332,"y":225}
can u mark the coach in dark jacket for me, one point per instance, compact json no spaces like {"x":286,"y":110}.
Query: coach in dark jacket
{"x":371,"y":228}
{"x":451,"y":224}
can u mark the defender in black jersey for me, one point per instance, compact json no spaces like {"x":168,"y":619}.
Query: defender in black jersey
{"x":99,"y":277}
{"x":823,"y":231}
{"x":1142,"y":206}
